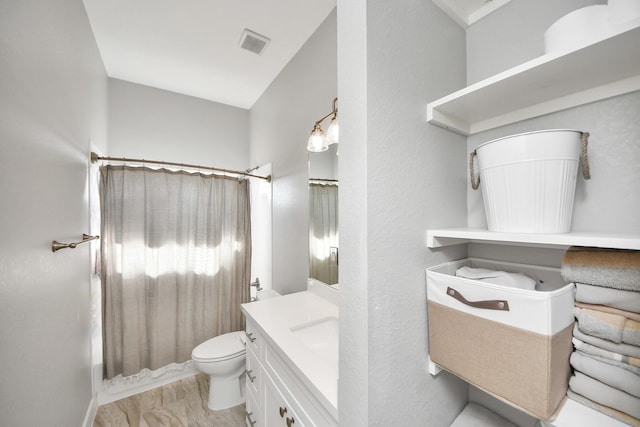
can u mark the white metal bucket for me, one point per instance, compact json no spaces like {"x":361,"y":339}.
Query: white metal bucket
{"x":528,"y":180}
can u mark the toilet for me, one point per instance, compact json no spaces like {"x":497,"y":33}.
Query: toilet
{"x":223,"y":359}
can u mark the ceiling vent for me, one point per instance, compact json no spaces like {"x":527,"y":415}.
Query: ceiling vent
{"x":253,"y":42}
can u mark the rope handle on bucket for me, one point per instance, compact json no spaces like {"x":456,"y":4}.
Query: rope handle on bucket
{"x":586,"y":173}
{"x":475,"y":181}
{"x":584,"y":156}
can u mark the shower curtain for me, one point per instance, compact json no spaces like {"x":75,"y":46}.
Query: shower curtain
{"x":176,"y":258}
{"x":323,"y":232}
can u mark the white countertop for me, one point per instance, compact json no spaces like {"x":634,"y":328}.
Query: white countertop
{"x":276,"y":316}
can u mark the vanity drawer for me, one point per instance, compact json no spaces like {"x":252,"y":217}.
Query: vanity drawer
{"x":280,"y":411}
{"x":254,"y":338}
{"x":254,"y":417}
{"x":310,"y":410}
{"x":254,"y":373}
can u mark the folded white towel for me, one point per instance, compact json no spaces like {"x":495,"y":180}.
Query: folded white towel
{"x":512,"y":280}
{"x":629,"y":350}
{"x":606,"y":373}
{"x":624,"y":300}
{"x":604,"y":394}
{"x":613,"y":327}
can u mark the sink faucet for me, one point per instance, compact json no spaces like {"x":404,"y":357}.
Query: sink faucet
{"x":256,"y":284}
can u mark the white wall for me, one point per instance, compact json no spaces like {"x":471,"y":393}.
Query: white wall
{"x":398,"y":177}
{"x":261,"y":230}
{"x":53,"y":94}
{"x":150,"y":123}
{"x":281,"y":121}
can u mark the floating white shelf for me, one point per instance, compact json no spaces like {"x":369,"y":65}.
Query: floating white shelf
{"x":575,"y":414}
{"x":596,"y":69}
{"x":456,"y":236}
{"x":572,"y":413}
{"x":466,"y":12}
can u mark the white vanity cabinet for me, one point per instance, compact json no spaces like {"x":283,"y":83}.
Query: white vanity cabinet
{"x":253,"y":417}
{"x":266,"y":405}
{"x":253,"y":378}
{"x":284,"y":379}
{"x":279,"y":411}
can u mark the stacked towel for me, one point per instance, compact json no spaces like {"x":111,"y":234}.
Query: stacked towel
{"x":606,"y":336}
{"x":619,"y":328}
{"x":609,"y":268}
{"x":624,"y":300}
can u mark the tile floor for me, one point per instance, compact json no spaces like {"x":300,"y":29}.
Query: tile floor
{"x":179,"y":404}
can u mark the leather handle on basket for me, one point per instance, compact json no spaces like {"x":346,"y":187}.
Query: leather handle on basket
{"x":487,"y":304}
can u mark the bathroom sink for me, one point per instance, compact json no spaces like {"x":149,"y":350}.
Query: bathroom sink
{"x":320,"y":336}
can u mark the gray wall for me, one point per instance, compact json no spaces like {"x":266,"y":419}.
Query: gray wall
{"x":150,"y":123}
{"x":399,"y":176}
{"x":513,"y":34}
{"x":281,"y":121}
{"x":53,"y":93}
{"x":610,"y":201}
{"x":325,"y":164}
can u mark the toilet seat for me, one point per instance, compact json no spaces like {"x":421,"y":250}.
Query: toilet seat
{"x":223,"y":347}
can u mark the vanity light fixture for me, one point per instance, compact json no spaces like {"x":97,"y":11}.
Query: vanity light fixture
{"x":318,"y":141}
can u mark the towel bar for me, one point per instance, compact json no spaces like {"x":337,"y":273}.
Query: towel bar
{"x":55,"y":245}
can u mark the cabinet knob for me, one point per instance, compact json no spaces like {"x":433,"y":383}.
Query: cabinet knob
{"x":248,"y":415}
{"x":290,"y":421}
{"x":282,"y":412}
{"x":251,"y":378}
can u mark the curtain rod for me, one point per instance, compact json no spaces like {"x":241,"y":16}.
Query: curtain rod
{"x":95,"y":158}
{"x":323,"y":182}
{"x":323,"y":179}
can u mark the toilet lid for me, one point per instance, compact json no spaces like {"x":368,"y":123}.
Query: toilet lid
{"x":223,"y":346}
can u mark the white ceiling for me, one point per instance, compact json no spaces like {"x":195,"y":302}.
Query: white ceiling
{"x":191,"y":46}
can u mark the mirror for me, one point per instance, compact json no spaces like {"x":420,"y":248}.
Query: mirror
{"x":323,"y":216}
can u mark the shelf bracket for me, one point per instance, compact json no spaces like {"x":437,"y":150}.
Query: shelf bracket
{"x":433,"y":369}
{"x":434,"y":241}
